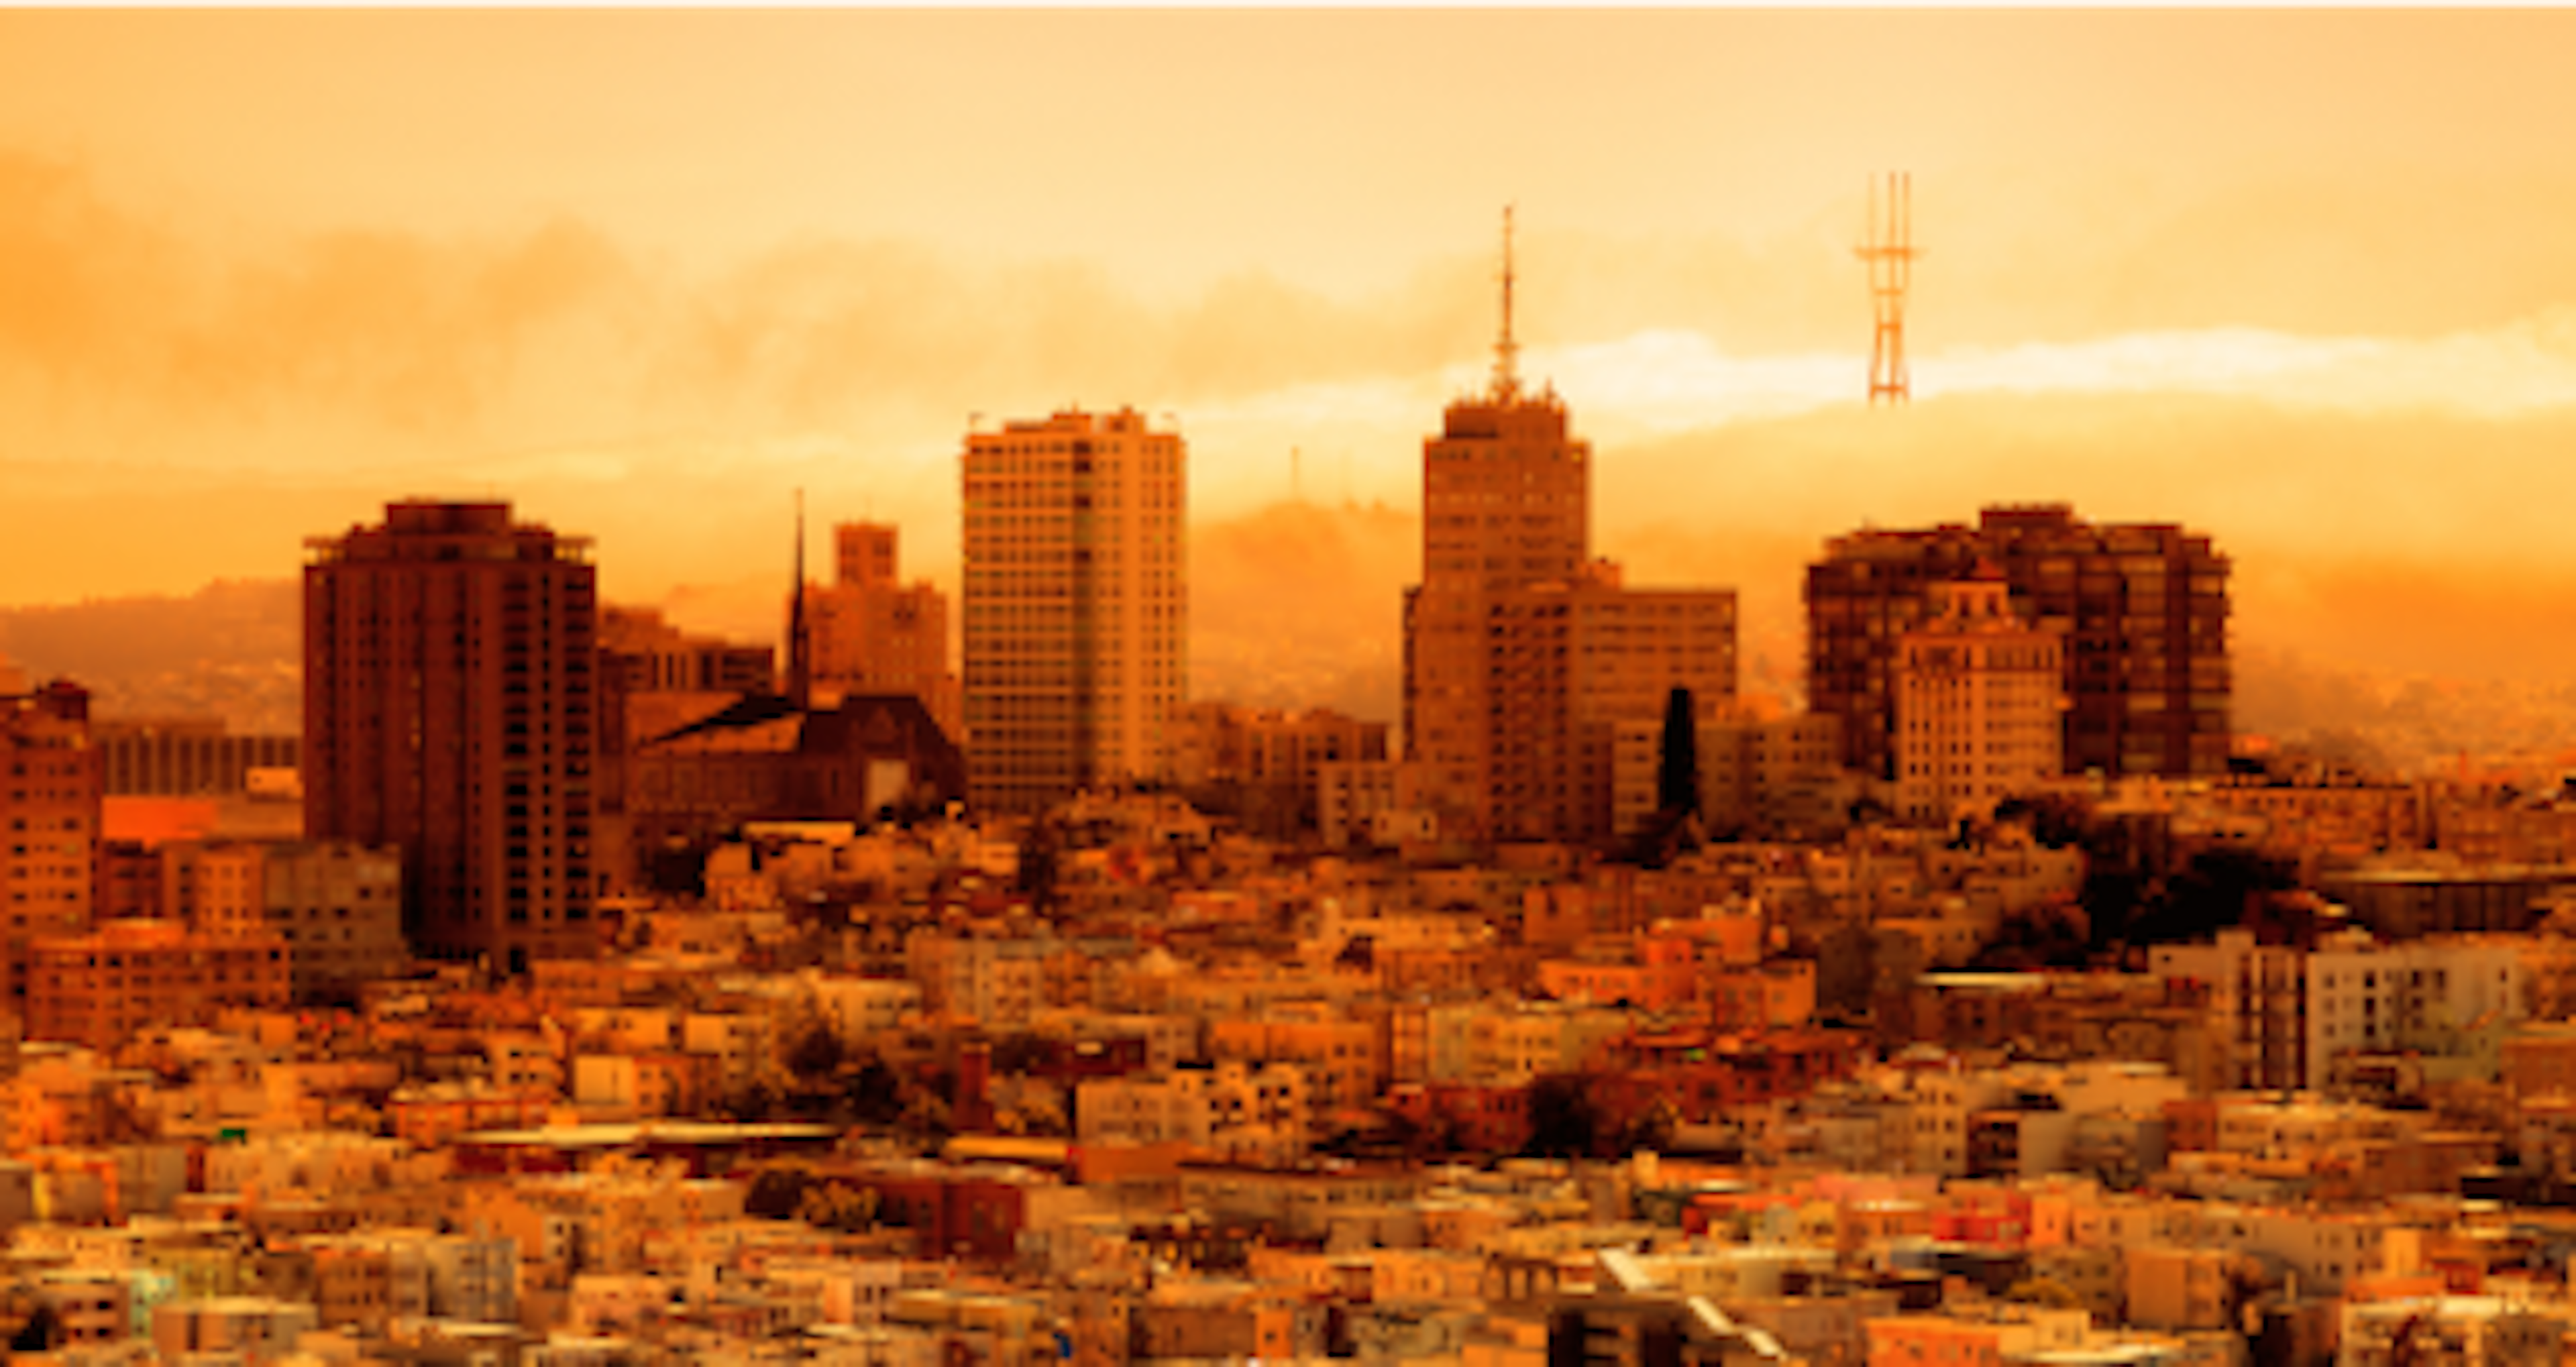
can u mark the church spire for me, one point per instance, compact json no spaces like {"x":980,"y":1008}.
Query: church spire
{"x":1507,"y":379}
{"x":800,"y":665}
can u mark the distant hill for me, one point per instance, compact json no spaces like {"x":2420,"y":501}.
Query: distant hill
{"x":1294,"y":606}
{"x":232,"y":649}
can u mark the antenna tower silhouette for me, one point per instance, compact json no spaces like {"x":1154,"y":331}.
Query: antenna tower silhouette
{"x":1890,"y":254}
{"x":800,"y":665}
{"x":1507,"y":379}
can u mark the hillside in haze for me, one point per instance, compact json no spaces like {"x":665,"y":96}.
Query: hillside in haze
{"x":232,"y":649}
{"x":1297,"y":604}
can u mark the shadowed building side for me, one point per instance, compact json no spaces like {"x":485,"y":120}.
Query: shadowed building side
{"x":450,"y":710}
{"x":759,"y":757}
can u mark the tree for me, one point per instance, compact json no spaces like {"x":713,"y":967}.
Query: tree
{"x":1563,"y":1120}
{"x":2047,"y":1291}
{"x":816,"y":1052}
{"x":1652,"y":1128}
{"x":838,"y":1206}
{"x":1677,"y":765}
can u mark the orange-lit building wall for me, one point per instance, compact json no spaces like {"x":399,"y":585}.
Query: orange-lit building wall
{"x":49,"y":819}
{"x":100,"y":989}
{"x":871,"y":635}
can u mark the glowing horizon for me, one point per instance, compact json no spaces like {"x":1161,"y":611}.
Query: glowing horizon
{"x":2290,"y":278}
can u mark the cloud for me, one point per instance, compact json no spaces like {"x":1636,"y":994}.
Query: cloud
{"x":120,"y":312}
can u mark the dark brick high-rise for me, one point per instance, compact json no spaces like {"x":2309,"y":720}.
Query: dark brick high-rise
{"x":2143,"y":607}
{"x":450,"y":685}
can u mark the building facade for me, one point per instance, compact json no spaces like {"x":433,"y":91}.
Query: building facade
{"x":1523,"y":656}
{"x":1076,"y":606}
{"x":1264,"y":765}
{"x":450,"y":684}
{"x":185,"y":756}
{"x":1977,"y":705}
{"x":102,"y":988}
{"x":2142,"y":609}
{"x":339,"y":909}
{"x":49,"y":819}
{"x":869,"y":634}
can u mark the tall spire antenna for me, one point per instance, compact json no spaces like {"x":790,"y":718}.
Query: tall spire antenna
{"x":1890,"y":255}
{"x":800,"y":669}
{"x":1507,"y":380}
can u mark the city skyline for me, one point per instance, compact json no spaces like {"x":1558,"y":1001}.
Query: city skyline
{"x":2291,"y":278}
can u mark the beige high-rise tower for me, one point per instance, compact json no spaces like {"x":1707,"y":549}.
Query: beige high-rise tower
{"x":1076,"y":606}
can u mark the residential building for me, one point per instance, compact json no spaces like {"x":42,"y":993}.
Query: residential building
{"x":870,"y":634}
{"x":1268,"y":766}
{"x":451,"y":711}
{"x":2286,"y":1015}
{"x":49,"y":819}
{"x":1076,"y":605}
{"x":1977,"y":704}
{"x":640,"y":652}
{"x":184,"y":756}
{"x":338,"y":906}
{"x":101,"y":988}
{"x":2142,"y":609}
{"x":1775,"y":773}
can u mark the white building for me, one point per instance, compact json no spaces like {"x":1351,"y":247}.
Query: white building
{"x":2286,"y":1014}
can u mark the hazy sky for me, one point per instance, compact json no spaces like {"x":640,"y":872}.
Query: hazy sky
{"x":2304,"y":280}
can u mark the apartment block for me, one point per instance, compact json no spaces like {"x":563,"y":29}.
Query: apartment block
{"x":1076,"y":606}
{"x":870,"y":634}
{"x":450,"y":680}
{"x":1978,"y":705}
{"x":2141,"y":607}
{"x":50,"y":804}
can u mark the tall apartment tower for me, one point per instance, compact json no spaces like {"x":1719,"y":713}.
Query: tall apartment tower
{"x":871,"y":635}
{"x":450,"y":709}
{"x":2141,"y":607}
{"x":1076,"y":606}
{"x":50,"y":790}
{"x":1525,"y":660}
{"x":1978,"y":698}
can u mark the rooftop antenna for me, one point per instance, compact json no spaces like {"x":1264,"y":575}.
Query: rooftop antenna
{"x":1890,"y":255}
{"x":800,"y":677}
{"x":1507,"y":380}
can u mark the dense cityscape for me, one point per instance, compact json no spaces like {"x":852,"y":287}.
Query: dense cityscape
{"x":575,"y":989}
{"x":912,"y":688}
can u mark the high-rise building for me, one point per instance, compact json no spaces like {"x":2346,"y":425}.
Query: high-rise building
{"x":450,"y":709}
{"x":1978,"y":697}
{"x":49,"y":811}
{"x":871,"y":635}
{"x":1076,"y":606}
{"x":2141,"y":607}
{"x":1526,"y":661}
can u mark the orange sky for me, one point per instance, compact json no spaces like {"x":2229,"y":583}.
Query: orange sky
{"x":2305,"y":280}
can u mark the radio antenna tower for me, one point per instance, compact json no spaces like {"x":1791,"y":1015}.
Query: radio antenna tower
{"x":1505,"y":349}
{"x":1507,"y":378}
{"x":1890,"y":253}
